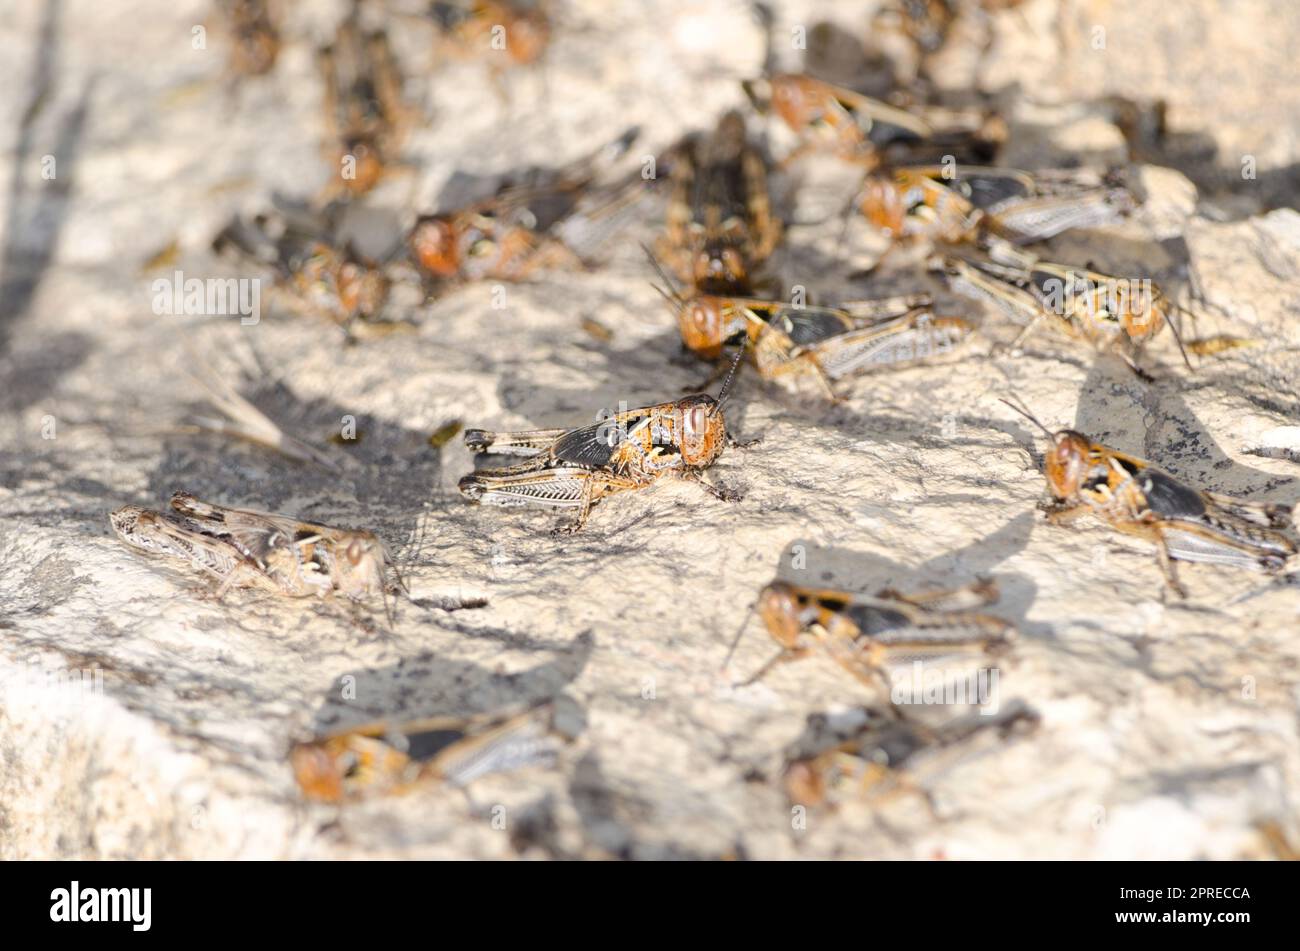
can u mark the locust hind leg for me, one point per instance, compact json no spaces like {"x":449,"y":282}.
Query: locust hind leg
{"x":1167,"y":566}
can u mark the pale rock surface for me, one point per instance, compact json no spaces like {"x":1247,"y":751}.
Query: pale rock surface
{"x":1168,"y":727}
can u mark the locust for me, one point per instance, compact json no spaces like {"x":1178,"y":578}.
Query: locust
{"x":541,"y":219}
{"x":364,"y":113}
{"x":316,"y":274}
{"x":255,"y":40}
{"x":961,"y":204}
{"x":1112,"y":314}
{"x":625,"y":451}
{"x":866,"y":131}
{"x":393,"y":758}
{"x":865,"y":634}
{"x":1185,"y":524}
{"x":519,"y":28}
{"x":274,"y":553}
{"x":875,"y":755}
{"x":720,"y":223}
{"x":826,"y":343}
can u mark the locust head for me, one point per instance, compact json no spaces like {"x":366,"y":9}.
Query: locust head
{"x":1066,"y":465}
{"x":779,"y":608}
{"x":701,"y":323}
{"x":367,"y":165}
{"x":357,"y":567}
{"x":344,"y":766}
{"x":720,"y":267}
{"x":435,"y":245}
{"x":881,"y":203}
{"x":703,"y":429}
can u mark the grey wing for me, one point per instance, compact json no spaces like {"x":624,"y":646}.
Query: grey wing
{"x":594,"y":445}
{"x":806,"y":325}
{"x":255,"y":534}
{"x":1039,"y":219}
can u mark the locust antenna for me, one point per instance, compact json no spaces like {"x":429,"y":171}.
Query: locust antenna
{"x":726,"y":384}
{"x":735,"y":641}
{"x":669,"y":291}
{"x":1178,"y":337}
{"x":1029,"y":416}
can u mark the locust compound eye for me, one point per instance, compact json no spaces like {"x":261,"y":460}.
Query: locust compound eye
{"x":697,"y":422}
{"x":354,"y":552}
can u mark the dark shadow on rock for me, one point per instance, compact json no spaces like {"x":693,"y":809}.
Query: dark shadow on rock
{"x":1154,"y":422}
{"x":430,"y":686}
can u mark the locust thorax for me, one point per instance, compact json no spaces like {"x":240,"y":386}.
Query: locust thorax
{"x":435,"y":245}
{"x":778,"y":606}
{"x":1067,"y":463}
{"x":700,"y":323}
{"x":881,"y":203}
{"x":702,"y":429}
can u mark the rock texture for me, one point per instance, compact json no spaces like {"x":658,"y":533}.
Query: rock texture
{"x":1169,"y":728}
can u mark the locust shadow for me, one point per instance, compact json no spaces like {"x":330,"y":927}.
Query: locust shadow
{"x":1153,"y":421}
{"x":430,"y":686}
{"x":35,"y":218}
{"x":387,"y":472}
{"x":868,"y":572}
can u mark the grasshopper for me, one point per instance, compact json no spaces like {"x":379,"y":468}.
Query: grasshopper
{"x":882,"y":755}
{"x":273,"y":553}
{"x":867,"y":131}
{"x":519,"y":28}
{"x":959,"y":204}
{"x":1116,"y":315}
{"x":1185,"y":524}
{"x":316,"y":274}
{"x":394,"y":758}
{"x":544,"y":219}
{"x":865,"y":634}
{"x":255,"y":40}
{"x":575,"y":468}
{"x":365,"y":115}
{"x":720,"y":221}
{"x":827,"y":343}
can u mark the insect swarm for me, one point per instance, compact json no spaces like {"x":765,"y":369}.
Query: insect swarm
{"x":884,"y":756}
{"x":575,"y":468}
{"x":865,"y":634}
{"x":274,"y":553}
{"x":720,"y":226}
{"x":386,"y":758}
{"x":826,"y":343}
{"x":1185,"y":524}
